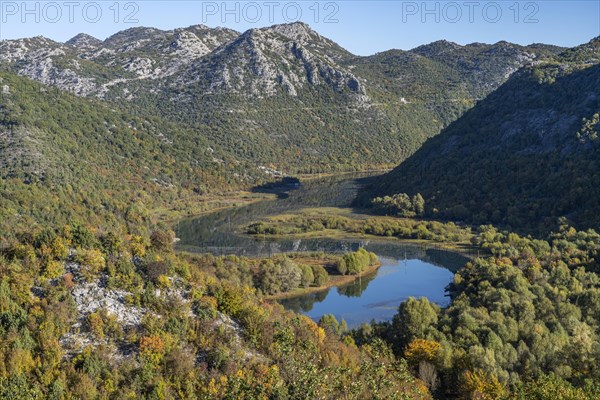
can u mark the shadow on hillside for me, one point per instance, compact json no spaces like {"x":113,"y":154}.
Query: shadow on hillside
{"x":281,"y":187}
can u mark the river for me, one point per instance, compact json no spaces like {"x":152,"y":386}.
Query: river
{"x":407,"y":269}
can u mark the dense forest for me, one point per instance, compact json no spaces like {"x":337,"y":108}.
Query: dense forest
{"x":181,"y":331}
{"x":523,"y":323}
{"x":67,"y":159}
{"x":94,"y":303}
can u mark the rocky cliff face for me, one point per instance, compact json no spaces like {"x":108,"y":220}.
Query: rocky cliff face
{"x":265,"y":62}
{"x":87,"y":66}
{"x":258,"y":63}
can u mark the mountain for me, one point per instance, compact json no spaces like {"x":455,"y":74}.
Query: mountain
{"x":283,"y":97}
{"x":83,"y":41}
{"x":103,"y":143}
{"x":88,"y":67}
{"x":64,"y":158}
{"x":524,"y":156}
{"x":265,"y":62}
{"x":445,"y":77}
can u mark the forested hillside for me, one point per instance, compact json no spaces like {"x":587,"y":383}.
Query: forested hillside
{"x":282,"y":97}
{"x":524,"y":156}
{"x":523,"y":322}
{"x":95,"y":304}
{"x":66,"y":159}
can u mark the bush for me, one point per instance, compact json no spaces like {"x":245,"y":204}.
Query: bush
{"x":308,"y":277}
{"x":91,"y":261}
{"x":162,"y":240}
{"x":155,"y":269}
{"x":400,"y":204}
{"x":320,"y":274}
{"x":356,"y":262}
{"x":278,"y":276}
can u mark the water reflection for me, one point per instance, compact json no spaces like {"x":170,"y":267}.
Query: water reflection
{"x":408,"y":270}
{"x":356,"y":288}
{"x":305,"y":303}
{"x":216,"y":233}
{"x":378,"y":296}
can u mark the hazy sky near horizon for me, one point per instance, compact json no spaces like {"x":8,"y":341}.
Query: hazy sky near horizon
{"x":363,"y":27}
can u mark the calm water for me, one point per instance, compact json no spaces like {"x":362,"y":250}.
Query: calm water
{"x":377,"y":297}
{"x":407,"y":270}
{"x":221,"y":232}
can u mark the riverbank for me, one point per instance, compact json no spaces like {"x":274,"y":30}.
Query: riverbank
{"x":368,"y":172}
{"x":348,"y":224}
{"x":209,"y":204}
{"x":212,"y":203}
{"x":319,"y":226}
{"x":333,"y":281}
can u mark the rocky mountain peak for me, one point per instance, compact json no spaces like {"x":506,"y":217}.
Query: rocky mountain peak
{"x":32,"y":43}
{"x":290,"y":59}
{"x":186,"y":42}
{"x":133,"y":37}
{"x":505,"y":48}
{"x":203,"y":31}
{"x":587,"y":53}
{"x":16,"y":49}
{"x":298,"y":31}
{"x":83,"y":40}
{"x":593,"y":46}
{"x":436,"y":48}
{"x":269,"y":61}
{"x":197,"y":27}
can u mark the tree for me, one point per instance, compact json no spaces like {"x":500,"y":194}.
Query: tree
{"x":290,"y":275}
{"x":415,"y":318}
{"x":267,"y":278}
{"x":342,"y":267}
{"x":152,"y":349}
{"x":356,"y":262}
{"x":162,"y":240}
{"x":53,"y":269}
{"x":428,"y":374}
{"x":418,"y":204}
{"x":480,"y":385}
{"x":92,"y":261}
{"x":550,"y":387}
{"x":320,"y":274}
{"x":308,"y":277}
{"x":420,"y":350}
{"x":280,"y":276}
{"x":331,"y":324}
{"x":399,"y":204}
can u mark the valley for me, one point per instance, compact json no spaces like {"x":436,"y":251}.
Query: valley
{"x":204,"y":213}
{"x":227,"y":233}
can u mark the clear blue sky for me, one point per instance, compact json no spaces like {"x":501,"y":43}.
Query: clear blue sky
{"x":363,"y":27}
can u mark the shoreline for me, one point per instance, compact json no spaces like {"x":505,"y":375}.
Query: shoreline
{"x":462,"y":248}
{"x":342,"y":280}
{"x":309,"y":177}
{"x":245,"y":196}
{"x":243,"y":199}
